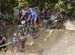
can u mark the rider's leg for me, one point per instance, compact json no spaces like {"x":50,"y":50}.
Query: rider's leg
{"x":35,"y":22}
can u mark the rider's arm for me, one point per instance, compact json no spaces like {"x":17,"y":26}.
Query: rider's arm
{"x":22,"y":14}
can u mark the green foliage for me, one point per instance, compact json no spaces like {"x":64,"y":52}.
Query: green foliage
{"x":8,"y":4}
{"x":64,"y":5}
{"x":69,"y":7}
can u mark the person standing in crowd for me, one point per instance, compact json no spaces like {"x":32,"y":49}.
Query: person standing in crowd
{"x":55,"y":14}
{"x":22,"y":40}
{"x":19,"y":40}
{"x":16,"y":15}
{"x":42,"y":17}
{"x":15,"y":41}
{"x":56,"y":17}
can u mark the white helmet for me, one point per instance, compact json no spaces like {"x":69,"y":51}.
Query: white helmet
{"x":23,"y":22}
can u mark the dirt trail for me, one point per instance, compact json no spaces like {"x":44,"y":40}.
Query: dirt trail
{"x":50,"y":42}
{"x":64,"y":45}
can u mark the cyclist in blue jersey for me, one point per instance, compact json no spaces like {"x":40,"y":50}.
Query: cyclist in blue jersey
{"x":33,"y":16}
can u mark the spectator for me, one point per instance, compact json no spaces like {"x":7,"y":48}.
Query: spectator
{"x":16,"y":15}
{"x":22,"y":40}
{"x":15,"y":41}
{"x":19,"y":40}
{"x":42,"y":16}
